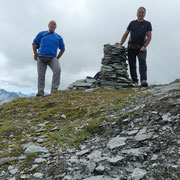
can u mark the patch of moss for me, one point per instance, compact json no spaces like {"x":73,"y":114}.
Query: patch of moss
{"x":10,"y":127}
{"x":30,"y":157}
{"x":175,"y":81}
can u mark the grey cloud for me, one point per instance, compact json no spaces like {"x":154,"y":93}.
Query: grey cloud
{"x":85,"y":30}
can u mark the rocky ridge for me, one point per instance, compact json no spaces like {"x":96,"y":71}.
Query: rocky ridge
{"x":6,"y":96}
{"x":137,"y":141}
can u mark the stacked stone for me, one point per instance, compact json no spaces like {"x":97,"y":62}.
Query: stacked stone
{"x":113,"y":73}
{"x":82,"y":83}
{"x":114,"y":67}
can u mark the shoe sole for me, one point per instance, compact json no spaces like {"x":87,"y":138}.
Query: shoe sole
{"x":144,"y":85}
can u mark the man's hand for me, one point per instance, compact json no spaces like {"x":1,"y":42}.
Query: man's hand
{"x":35,"y":52}
{"x":60,"y":54}
{"x":35,"y":57}
{"x":143,"y":48}
{"x":58,"y":57}
{"x":117,"y":44}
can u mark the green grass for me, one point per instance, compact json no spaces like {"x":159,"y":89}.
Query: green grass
{"x":176,"y":81}
{"x":30,"y":157}
{"x":84,"y":112}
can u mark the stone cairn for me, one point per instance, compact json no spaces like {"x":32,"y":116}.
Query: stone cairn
{"x":114,"y":68}
{"x":113,"y":73}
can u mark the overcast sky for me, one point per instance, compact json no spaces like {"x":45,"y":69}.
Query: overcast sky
{"x":85,"y":25}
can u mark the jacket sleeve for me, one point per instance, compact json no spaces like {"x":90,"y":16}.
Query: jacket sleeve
{"x":61,"y":44}
{"x":37,"y":39}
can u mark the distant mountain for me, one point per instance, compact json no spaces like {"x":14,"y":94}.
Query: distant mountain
{"x":6,"y":96}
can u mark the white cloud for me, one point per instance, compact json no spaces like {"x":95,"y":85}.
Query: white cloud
{"x":85,"y":25}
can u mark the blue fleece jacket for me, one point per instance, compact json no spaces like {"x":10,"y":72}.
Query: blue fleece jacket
{"x":49,"y":43}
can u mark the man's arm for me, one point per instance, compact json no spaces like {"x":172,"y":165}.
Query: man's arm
{"x":35,"y":52}
{"x":149,"y":36}
{"x":123,"y":39}
{"x":60,"y":54}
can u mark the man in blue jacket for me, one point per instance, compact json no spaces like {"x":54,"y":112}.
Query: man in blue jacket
{"x":47,"y":43}
{"x":140,"y":37}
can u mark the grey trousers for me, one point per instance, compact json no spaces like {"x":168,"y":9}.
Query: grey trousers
{"x":56,"y":69}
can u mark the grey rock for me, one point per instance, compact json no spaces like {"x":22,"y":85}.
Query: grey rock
{"x":2,"y":173}
{"x":79,"y":176}
{"x":41,"y":124}
{"x":137,"y":151}
{"x":67,"y":177}
{"x":46,"y":155}
{"x":38,"y":175}
{"x":83,"y":152}
{"x":154,"y":157}
{"x":130,"y":133}
{"x":165,"y":89}
{"x":167,"y":117}
{"x":116,"y":160}
{"x":116,"y":142}
{"x":39,"y":160}
{"x":90,"y":90}
{"x":40,"y":130}
{"x":25,"y":176}
{"x":10,"y":167}
{"x":6,"y":160}
{"x":143,"y":137}
{"x":95,"y":155}
{"x":55,"y":128}
{"x":34,"y":148}
{"x":74,"y":159}
{"x":100,"y":168}
{"x":60,"y":176}
{"x":70,"y":169}
{"x":91,"y":166}
{"x":63,"y":116}
{"x":138,"y":174}
{"x":83,"y":147}
{"x":34,"y":167}
{"x":13,"y":171}
{"x":101,"y":178}
{"x":154,"y":165}
{"x":83,"y":83}
{"x":21,"y":157}
{"x":40,"y":140}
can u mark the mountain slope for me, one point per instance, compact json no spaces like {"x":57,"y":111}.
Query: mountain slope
{"x":6,"y":96}
{"x":105,"y":134}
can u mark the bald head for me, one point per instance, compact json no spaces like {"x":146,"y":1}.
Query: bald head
{"x":52,"y":26}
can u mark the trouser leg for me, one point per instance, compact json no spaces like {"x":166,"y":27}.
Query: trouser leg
{"x":41,"y":68}
{"x":142,"y":65}
{"x":56,"y":69}
{"x":132,"y":65}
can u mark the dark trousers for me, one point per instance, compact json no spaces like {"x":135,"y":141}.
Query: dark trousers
{"x":132,"y":54}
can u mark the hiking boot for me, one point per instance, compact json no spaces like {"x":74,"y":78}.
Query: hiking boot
{"x":144,"y":83}
{"x":54,"y":91}
{"x":39,"y":94}
{"x":135,"y":83}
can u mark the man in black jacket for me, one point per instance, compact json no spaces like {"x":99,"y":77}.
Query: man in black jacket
{"x":140,"y":37}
